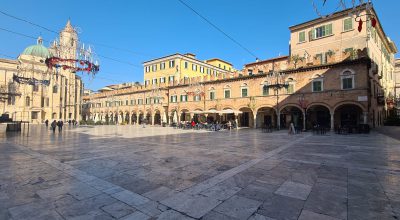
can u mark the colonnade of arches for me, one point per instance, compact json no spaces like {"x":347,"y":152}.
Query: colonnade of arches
{"x":126,"y":117}
{"x":316,"y":114}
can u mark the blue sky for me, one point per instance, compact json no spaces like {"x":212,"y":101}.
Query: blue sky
{"x":155,"y":28}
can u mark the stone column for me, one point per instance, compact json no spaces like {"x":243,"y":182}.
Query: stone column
{"x":130,"y":118}
{"x":137,"y":118}
{"x":254,"y":120}
{"x":304,"y":120}
{"x":278,"y":120}
{"x":365,"y":117}
{"x":236,"y":120}
{"x":191,"y":116}
{"x":332,"y":121}
{"x":153,"y":116}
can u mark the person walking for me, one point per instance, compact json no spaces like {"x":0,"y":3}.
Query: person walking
{"x":60,"y":124}
{"x":53,"y":126}
{"x":46,"y":123}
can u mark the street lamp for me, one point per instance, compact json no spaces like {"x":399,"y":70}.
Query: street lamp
{"x":277,"y":85}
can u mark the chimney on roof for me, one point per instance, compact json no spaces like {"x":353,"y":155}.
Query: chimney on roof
{"x":191,"y":55}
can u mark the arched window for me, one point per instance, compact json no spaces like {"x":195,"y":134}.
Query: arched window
{"x":317,"y":84}
{"x":27,"y":101}
{"x":290,"y":85}
{"x":265,"y":88}
{"x":212,"y":93}
{"x":244,"y":90}
{"x":347,"y":79}
{"x":227,"y":91}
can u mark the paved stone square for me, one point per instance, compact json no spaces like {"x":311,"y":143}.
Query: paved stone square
{"x":130,"y":172}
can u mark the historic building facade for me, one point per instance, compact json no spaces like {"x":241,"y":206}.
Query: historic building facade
{"x":333,"y":77}
{"x":32,"y":92}
{"x":177,"y":67}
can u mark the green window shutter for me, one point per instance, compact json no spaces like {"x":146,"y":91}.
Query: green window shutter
{"x":310,"y":35}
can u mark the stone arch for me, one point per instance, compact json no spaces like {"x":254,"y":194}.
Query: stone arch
{"x":246,"y":118}
{"x":266,"y":116}
{"x":291,"y":104}
{"x":318,"y":114}
{"x":320,"y":103}
{"x":349,"y":115}
{"x":348,"y":103}
{"x":291,"y":113}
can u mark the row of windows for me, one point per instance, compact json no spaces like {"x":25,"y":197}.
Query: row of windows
{"x":317,"y":85}
{"x":324,"y":30}
{"x":45,"y":102}
{"x":194,"y":67}
{"x":347,"y":82}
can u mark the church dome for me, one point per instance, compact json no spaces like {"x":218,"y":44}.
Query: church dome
{"x":37,"y":50}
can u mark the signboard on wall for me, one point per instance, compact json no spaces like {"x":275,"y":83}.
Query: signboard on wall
{"x":362,"y":98}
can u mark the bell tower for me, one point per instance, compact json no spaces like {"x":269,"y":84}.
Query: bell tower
{"x":68,"y":42}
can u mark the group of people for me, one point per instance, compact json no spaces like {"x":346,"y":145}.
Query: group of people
{"x":54,"y":124}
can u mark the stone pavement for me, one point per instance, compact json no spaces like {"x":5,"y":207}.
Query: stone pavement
{"x":128,"y":172}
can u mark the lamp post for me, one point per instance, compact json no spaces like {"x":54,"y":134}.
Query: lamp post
{"x":278,"y":84}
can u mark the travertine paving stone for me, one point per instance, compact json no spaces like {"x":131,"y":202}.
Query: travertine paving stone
{"x":128,"y":172}
{"x":294,"y":190}
{"x":238,"y":207}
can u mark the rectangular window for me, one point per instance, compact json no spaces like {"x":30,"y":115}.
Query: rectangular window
{"x":317,"y":86}
{"x":140,"y":101}
{"x":42,"y":102}
{"x":154,"y":68}
{"x":194,"y":67}
{"x":250,"y":72}
{"x":171,"y":63}
{"x":347,"y":82}
{"x":322,"y":31}
{"x":302,"y":36}
{"x":162,"y":80}
{"x":171,"y":78}
{"x":186,"y":65}
{"x":35,"y":88}
{"x":260,"y":72}
{"x":290,"y":89}
{"x":201,"y":69}
{"x":148,"y":101}
{"x":35,"y":115}
{"x":212,"y":95}
{"x":348,"y":24}
{"x":244,"y":92}
{"x":47,"y":102}
{"x":173,"y":98}
{"x":197,"y":98}
{"x":184,"y":98}
{"x":132,"y":102}
{"x":265,"y":90}
{"x":11,"y":100}
{"x":227,"y":93}
{"x":162,"y":66}
{"x":126,"y":102}
{"x":154,"y":81}
{"x":208,"y":71}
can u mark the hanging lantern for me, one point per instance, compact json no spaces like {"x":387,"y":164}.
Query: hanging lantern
{"x":360,"y":23}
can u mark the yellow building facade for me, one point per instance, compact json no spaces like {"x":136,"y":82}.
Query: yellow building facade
{"x":178,"y":67}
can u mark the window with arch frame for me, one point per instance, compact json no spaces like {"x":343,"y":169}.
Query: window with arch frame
{"x":265,"y":90}
{"x":317,"y":84}
{"x":290,"y":86}
{"x":347,"y":80}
